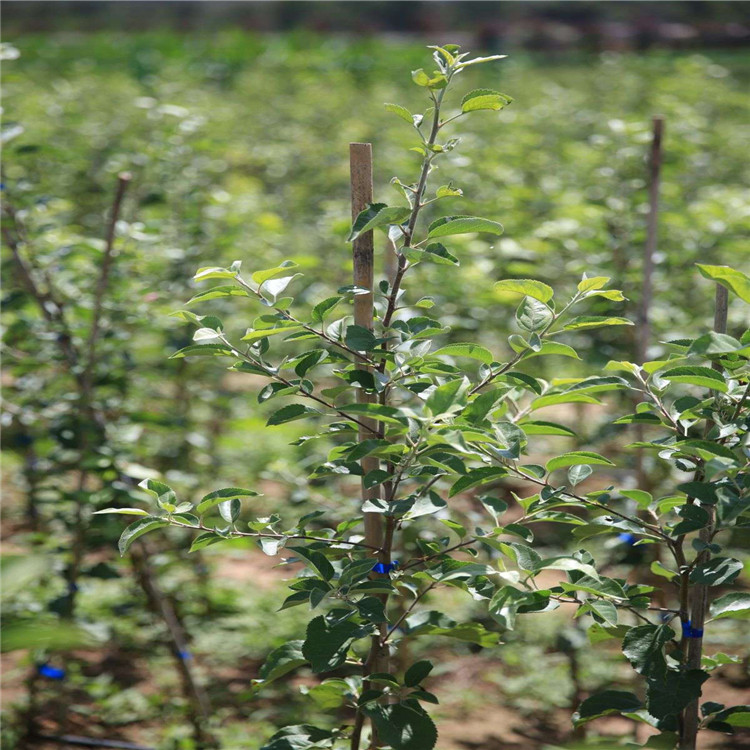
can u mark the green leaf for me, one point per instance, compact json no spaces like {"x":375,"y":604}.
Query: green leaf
{"x":668,"y":695}
{"x":604,"y":703}
{"x":317,"y":561}
{"x":576,"y":458}
{"x":479,"y":61}
{"x":378,"y":215}
{"x":450,"y":225}
{"x":533,"y":315}
{"x":361,"y":339}
{"x":713,"y":343}
{"x":694,"y":375}
{"x":494,"y":506}
{"x":528,"y":287}
{"x":436,"y":623}
{"x":719,"y":571}
{"x":281,"y":326}
{"x":537,"y":427}
{"x":437,"y":253}
{"x":163,"y":493}
{"x":219,"y":496}
{"x":734,"y":280}
{"x":216,"y":272}
{"x":122,"y":511}
{"x":402,"y":112}
{"x":205,"y":350}
{"x":230,"y":510}
{"x":403,"y":727}
{"x":326,"y":645}
{"x":448,"y":191}
{"x":694,"y":518}
{"x":642,"y":498}
{"x":217,"y":292}
{"x":138,"y":529}
{"x":472,"y":351}
{"x":484,"y":99}
{"x":321,"y":310}
{"x":553,"y":399}
{"x":477,"y":476}
{"x":579,"y":472}
{"x":384,"y":413}
{"x":604,"y":609}
{"x":299,"y":737}
{"x":281,"y":661}
{"x":205,"y":540}
{"x":643,"y":647}
{"x":448,"y":398}
{"x":735,"y":605}
{"x":595,"y":321}
{"x":435,"y":81}
{"x":260,"y":277}
{"x":417,"y":673}
{"x":289,"y":413}
{"x":595,"y":282}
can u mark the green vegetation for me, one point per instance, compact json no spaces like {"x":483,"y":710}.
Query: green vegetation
{"x":236,"y":149}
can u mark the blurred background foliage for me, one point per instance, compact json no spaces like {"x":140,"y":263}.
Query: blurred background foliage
{"x":237,"y":142}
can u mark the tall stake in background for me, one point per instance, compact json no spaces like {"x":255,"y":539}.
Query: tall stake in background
{"x":360,"y":160}
{"x":643,"y":330}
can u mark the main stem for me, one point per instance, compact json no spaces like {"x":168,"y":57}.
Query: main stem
{"x":377,"y":532}
{"x":694,"y":645}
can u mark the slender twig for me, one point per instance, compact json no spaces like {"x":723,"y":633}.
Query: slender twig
{"x":429,"y":558}
{"x":407,"y":612}
{"x":123,"y":180}
{"x":360,"y":356}
{"x":271,"y":535}
{"x":586,"y":501}
{"x":281,"y":379}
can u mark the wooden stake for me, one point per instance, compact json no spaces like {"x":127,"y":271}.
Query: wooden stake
{"x":360,"y":160}
{"x":649,"y":250}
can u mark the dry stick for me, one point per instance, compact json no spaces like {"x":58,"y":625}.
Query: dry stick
{"x":53,"y":311}
{"x":86,"y":384}
{"x":178,"y":644}
{"x":643,"y":331}
{"x":360,"y":162}
{"x":690,"y":717}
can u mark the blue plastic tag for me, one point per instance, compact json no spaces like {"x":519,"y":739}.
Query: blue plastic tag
{"x":385,"y":568}
{"x":52,"y":673}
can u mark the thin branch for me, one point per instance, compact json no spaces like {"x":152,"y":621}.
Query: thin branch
{"x":321,"y":334}
{"x":429,"y":558}
{"x":407,"y":612}
{"x":271,"y":535}
{"x":123,"y":181}
{"x":288,"y":383}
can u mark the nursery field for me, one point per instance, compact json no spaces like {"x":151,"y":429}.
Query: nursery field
{"x":500,"y":532}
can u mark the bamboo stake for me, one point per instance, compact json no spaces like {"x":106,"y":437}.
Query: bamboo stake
{"x":699,"y":607}
{"x":360,"y":159}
